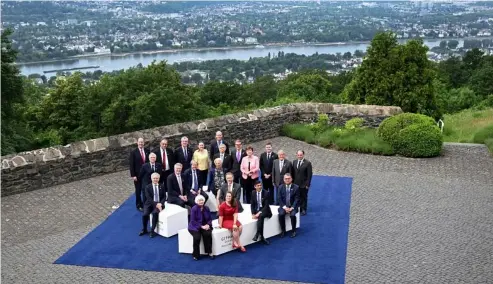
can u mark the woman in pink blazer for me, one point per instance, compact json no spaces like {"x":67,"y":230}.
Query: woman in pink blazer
{"x":249,"y":171}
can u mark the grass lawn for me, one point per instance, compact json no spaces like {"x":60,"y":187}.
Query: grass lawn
{"x":461,"y":127}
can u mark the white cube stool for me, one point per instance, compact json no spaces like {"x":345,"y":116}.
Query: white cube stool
{"x":172,"y":219}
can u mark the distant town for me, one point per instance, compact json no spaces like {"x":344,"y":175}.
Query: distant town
{"x":58,"y":30}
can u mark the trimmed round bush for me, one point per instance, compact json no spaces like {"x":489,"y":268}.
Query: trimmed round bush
{"x":483,"y":134}
{"x":418,"y":140}
{"x":390,"y":127}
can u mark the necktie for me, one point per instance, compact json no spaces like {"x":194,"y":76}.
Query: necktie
{"x":179,"y":184}
{"x":218,"y":144}
{"x":231,"y":187}
{"x":164,"y":160}
{"x":268,"y":156}
{"x":156,"y":194}
{"x":259,"y":201}
{"x":153,"y":169}
{"x":143,"y":155}
{"x":195,"y":184}
{"x":281,"y":165}
{"x":238,"y":155}
{"x":222,"y":157}
{"x":299,"y":164}
{"x":288,"y":196}
{"x":185,"y":153}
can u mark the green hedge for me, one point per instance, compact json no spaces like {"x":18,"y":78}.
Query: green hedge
{"x":483,"y":134}
{"x":412,"y":135}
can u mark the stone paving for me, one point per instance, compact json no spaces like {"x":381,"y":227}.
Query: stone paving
{"x":412,"y":221}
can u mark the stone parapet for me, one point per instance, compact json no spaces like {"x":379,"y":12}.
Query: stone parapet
{"x":46,"y":167}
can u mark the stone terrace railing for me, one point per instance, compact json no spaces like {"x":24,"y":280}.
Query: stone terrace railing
{"x":46,"y":167}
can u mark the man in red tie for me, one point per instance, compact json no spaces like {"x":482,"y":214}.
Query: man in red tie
{"x":138,"y":157}
{"x":166,"y":156}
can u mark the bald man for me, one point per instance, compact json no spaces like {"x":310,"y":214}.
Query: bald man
{"x":138,"y":157}
{"x":214,"y":148}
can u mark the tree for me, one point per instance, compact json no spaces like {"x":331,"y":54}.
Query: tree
{"x":443,"y":44}
{"x":452,"y":44}
{"x":16,"y":136}
{"x":393,"y":74}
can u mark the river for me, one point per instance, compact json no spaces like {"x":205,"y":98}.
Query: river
{"x":111,"y":63}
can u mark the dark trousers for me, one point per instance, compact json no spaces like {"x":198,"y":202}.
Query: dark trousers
{"x":260,"y":225}
{"x":303,"y":199}
{"x":202,"y":177}
{"x":182,"y":203}
{"x":282,"y":219}
{"x":145,"y":221}
{"x":248,"y":188}
{"x":192,"y":196}
{"x":138,"y":194}
{"x":267,"y":185}
{"x":197,"y":235}
{"x":164,"y":178}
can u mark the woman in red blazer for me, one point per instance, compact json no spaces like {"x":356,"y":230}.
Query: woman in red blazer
{"x":249,"y":170}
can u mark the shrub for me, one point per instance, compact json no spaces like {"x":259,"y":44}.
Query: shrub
{"x":419,"y":140}
{"x":321,"y":124}
{"x":299,"y":131}
{"x":365,"y":141}
{"x":391,"y":126}
{"x":354,"y":124}
{"x":483,"y":134}
{"x":328,"y":137}
{"x":489,"y":144}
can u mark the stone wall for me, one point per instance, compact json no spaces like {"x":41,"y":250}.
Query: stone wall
{"x":41,"y":168}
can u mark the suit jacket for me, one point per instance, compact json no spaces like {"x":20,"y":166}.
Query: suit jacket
{"x":278,"y":174}
{"x":266,"y":164}
{"x":180,"y":157}
{"x":236,"y":193}
{"x":150,"y":204}
{"x":214,"y":148}
{"x":294,"y":198}
{"x":227,"y":161}
{"x":235,"y":167}
{"x":254,"y":166}
{"x":264,"y":207}
{"x":136,"y":161}
{"x":146,"y":172}
{"x":302,"y":175}
{"x":170,"y":157}
{"x":196,"y":218}
{"x":189,"y":179}
{"x":174,"y":188}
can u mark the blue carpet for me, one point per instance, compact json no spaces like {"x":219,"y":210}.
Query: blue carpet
{"x":317,"y":254}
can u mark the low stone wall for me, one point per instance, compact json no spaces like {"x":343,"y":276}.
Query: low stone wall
{"x":41,"y":168}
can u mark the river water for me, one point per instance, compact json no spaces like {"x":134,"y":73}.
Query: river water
{"x":111,"y":63}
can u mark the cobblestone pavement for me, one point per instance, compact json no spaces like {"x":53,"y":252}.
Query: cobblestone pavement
{"x":412,"y":221}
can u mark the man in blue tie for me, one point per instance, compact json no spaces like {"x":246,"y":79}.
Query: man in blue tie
{"x":260,"y":210}
{"x":289,"y":201}
{"x":214,"y":148}
{"x":194,"y":182}
{"x":155,"y":198}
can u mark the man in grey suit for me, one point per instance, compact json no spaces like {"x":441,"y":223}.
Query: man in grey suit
{"x":281,"y":167}
{"x":302,"y":169}
{"x":235,"y":189}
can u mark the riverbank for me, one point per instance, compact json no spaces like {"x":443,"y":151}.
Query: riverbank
{"x":225,"y":48}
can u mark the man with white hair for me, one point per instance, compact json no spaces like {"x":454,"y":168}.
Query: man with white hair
{"x":155,"y":198}
{"x":184,"y":153}
{"x":138,"y":157}
{"x":214,"y":148}
{"x":178,"y":190}
{"x":281,"y":166}
{"x":146,"y":172}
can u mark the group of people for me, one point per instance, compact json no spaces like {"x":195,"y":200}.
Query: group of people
{"x":180,"y":176}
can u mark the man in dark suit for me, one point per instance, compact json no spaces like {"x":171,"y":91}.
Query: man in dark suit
{"x":289,"y":201}
{"x":214,"y":148}
{"x":225,"y":157}
{"x":138,"y":157}
{"x":266,"y":162}
{"x":303,"y":178}
{"x":237,"y":155}
{"x":280,"y":167}
{"x":166,"y":157}
{"x":235,"y":189}
{"x":147,"y":170}
{"x":178,"y":192}
{"x":260,"y":210}
{"x":153,"y":205}
{"x":184,"y":153}
{"x":194,"y":182}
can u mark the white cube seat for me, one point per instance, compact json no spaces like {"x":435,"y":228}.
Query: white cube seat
{"x":211,"y":202}
{"x":172,"y":219}
{"x":222,"y":239}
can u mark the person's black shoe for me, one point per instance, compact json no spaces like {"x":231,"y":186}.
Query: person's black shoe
{"x":153,"y":234}
{"x":282,"y":235}
{"x":255,"y":238}
{"x":143,"y":232}
{"x":303,"y":213}
{"x":265,"y":241}
{"x":293,"y":234}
